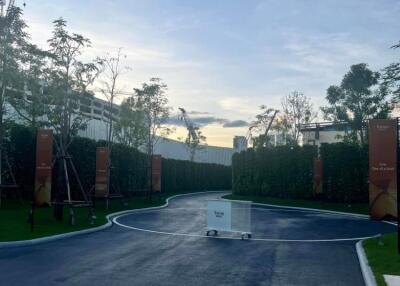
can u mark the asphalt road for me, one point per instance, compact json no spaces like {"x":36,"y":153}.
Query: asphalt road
{"x":289,"y":248}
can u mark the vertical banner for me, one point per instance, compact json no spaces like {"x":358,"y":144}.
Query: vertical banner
{"x":44,"y":160}
{"x":156,"y":173}
{"x":383,"y":168}
{"x":317,"y":178}
{"x":101,"y":181}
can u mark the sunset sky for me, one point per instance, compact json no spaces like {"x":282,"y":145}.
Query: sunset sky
{"x":222,"y":59}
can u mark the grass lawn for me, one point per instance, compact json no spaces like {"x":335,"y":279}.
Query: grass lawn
{"x":14,"y":226}
{"x":353,"y":208}
{"x":383,"y":257}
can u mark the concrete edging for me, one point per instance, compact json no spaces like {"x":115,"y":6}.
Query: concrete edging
{"x":366,"y":270}
{"x":20,"y":243}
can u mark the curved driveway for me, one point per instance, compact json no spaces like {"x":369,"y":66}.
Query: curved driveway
{"x":290,"y":247}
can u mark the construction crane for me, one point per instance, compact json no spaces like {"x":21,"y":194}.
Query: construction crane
{"x":192,"y":135}
{"x":270,"y":123}
{"x":249,"y":135}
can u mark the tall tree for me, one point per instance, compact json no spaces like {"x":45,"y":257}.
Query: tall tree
{"x":356,"y":100}
{"x":297,"y":109}
{"x":30,"y":104}
{"x":13,"y":42}
{"x":153,"y":100}
{"x":391,"y":78}
{"x":131,"y":129}
{"x":111,"y":90}
{"x":110,"y":86}
{"x":68,"y":81}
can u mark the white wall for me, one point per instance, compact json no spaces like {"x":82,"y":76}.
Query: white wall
{"x":168,"y":148}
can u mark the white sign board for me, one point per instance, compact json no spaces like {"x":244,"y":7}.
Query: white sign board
{"x":219,"y":215}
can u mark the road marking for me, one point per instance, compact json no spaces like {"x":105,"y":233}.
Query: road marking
{"x":315,"y":212}
{"x":115,"y":220}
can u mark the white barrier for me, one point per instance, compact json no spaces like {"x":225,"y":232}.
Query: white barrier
{"x":231,"y":216}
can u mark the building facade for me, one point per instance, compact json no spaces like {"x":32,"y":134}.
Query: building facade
{"x":326,"y":132}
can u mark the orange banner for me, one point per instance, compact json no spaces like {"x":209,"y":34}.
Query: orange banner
{"x":101,"y":185}
{"x":44,"y":160}
{"x":383,"y":168}
{"x":156,"y":173}
{"x":318,"y":171}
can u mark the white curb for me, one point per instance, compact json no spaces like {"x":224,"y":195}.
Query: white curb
{"x":9,"y":244}
{"x":366,"y":270}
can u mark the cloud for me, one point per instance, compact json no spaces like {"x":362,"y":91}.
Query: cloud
{"x":202,"y":121}
{"x":197,"y":121}
{"x":238,"y":105}
{"x":194,"y":112}
{"x":235,"y":123}
{"x":325,"y":52}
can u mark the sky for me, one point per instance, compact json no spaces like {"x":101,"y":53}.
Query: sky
{"x":221,"y":60}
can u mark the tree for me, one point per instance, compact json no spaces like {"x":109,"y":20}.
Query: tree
{"x":153,"y":101}
{"x":297,"y":109}
{"x":13,"y":42}
{"x":68,"y":81}
{"x":131,"y":129}
{"x":391,"y":77}
{"x":111,"y":90}
{"x":30,"y":104}
{"x":195,"y":144}
{"x":355,"y":100}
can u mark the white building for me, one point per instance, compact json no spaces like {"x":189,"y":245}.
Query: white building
{"x":98,"y":111}
{"x":326,"y":132}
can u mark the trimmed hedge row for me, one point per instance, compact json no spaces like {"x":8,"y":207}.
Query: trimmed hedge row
{"x":345,"y":168}
{"x":287,"y":172}
{"x":181,"y":175}
{"x":281,"y":171}
{"x":129,"y":172}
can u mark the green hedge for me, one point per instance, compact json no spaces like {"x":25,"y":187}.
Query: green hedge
{"x":345,"y":168}
{"x":129,"y":172}
{"x":282,"y":171}
{"x":184,"y":175}
{"x":287,"y":172}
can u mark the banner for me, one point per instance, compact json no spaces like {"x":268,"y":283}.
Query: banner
{"x":156,"y":173}
{"x":219,"y":215}
{"x":44,"y":160}
{"x":383,"y":168}
{"x":318,"y":171}
{"x":101,"y":182}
